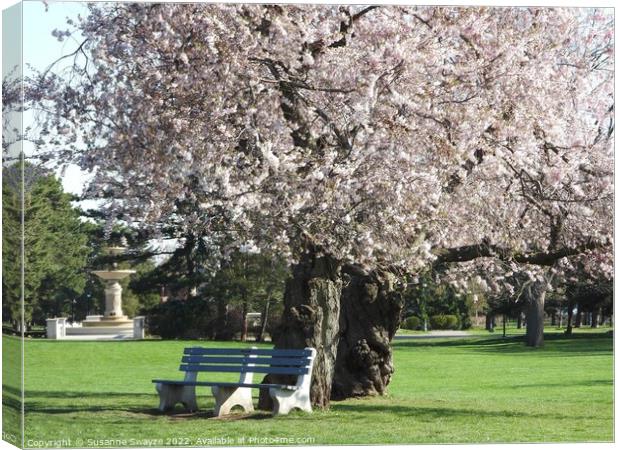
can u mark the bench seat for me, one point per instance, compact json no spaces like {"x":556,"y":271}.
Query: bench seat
{"x":246,"y":362}
{"x":227,"y":384}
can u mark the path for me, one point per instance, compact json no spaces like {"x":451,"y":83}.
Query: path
{"x":436,"y":334}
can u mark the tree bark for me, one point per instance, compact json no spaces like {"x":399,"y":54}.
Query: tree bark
{"x":310,"y":319}
{"x":264,"y":319}
{"x":489,"y":322}
{"x":190,"y":242}
{"x":534,"y":335}
{"x":244,"y":321}
{"x":486,"y":249}
{"x":569,"y":320}
{"x":578,"y":317}
{"x":594,"y":320}
{"x":370,"y":313}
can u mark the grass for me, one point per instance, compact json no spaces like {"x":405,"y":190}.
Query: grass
{"x":468,"y":390}
{"x":11,"y":398}
{"x":512,"y":330}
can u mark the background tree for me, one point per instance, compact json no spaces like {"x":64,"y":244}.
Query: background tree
{"x":247,"y":282}
{"x":427,"y":295}
{"x":588,"y":285}
{"x":54,"y":242}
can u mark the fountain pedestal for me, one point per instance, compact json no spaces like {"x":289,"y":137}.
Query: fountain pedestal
{"x":113,"y":315}
{"x":113,"y":300}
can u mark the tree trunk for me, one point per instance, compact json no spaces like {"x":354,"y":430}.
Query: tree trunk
{"x":519,"y":320}
{"x":569,"y":320}
{"x":489,"y":322}
{"x":594,"y":319}
{"x":310,"y":319}
{"x":264,"y":319}
{"x":370,"y":313}
{"x":220,"y":331}
{"x":578,"y":317}
{"x":553,"y":321}
{"x":534,"y":335}
{"x":192,"y":289}
{"x":244,"y":321}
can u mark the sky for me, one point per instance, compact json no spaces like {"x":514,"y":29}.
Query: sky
{"x":41,"y":49}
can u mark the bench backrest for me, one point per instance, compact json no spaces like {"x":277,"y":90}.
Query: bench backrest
{"x":248,"y":361}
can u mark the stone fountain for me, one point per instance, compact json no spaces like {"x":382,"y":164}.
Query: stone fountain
{"x":113,"y":315}
{"x":113,"y":324}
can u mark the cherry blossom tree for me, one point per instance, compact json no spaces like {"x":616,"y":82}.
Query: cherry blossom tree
{"x":359,"y":142}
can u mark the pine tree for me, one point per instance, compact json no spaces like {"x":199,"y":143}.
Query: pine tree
{"x":54,"y":243}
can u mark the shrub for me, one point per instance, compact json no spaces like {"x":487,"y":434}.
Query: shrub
{"x":411,"y":323}
{"x":444,"y":322}
{"x":466,"y":323}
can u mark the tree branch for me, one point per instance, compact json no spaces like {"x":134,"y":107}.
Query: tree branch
{"x":470,"y":252}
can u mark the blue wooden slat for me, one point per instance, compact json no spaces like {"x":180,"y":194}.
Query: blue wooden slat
{"x":296,"y":361}
{"x":245,"y":351}
{"x":242,"y":369}
{"x":224,"y":383}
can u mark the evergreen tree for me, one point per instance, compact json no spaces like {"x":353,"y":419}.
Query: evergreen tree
{"x":54,"y":243}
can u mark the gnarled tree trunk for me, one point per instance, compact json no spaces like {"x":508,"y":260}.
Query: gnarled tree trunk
{"x":370,"y":313}
{"x":534,"y":335}
{"x":310,"y":319}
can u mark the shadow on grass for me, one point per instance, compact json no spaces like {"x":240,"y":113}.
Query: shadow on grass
{"x":12,"y":402}
{"x":133,"y":405}
{"x":208,"y":414}
{"x":576,"y":345}
{"x":567,"y":385}
{"x":46,"y":402}
{"x":178,"y":414}
{"x":429,"y":414}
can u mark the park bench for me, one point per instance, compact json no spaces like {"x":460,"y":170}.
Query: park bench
{"x":246,"y":362}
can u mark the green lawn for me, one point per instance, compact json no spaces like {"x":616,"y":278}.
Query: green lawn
{"x":444,"y":391}
{"x":11,"y":398}
{"x":512,"y":330}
